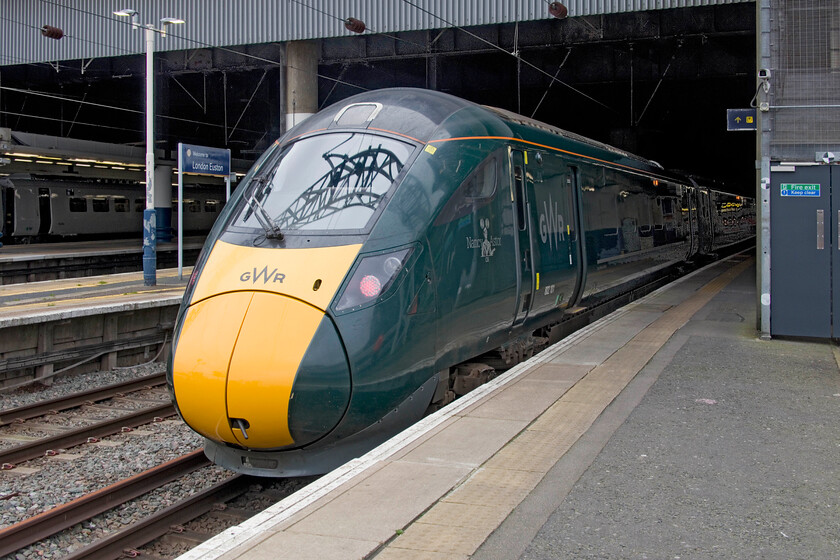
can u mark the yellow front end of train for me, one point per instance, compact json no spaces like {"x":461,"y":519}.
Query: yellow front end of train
{"x":252,"y":317}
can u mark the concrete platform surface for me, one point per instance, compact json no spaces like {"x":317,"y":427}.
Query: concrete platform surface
{"x":666,"y":430}
{"x":36,"y":302}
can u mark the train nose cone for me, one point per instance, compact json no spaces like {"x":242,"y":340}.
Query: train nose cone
{"x":238,"y":363}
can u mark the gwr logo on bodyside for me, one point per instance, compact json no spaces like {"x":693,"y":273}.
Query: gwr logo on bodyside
{"x":552,"y":224}
{"x":253,"y":276}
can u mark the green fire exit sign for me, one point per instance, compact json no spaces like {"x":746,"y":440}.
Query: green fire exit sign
{"x":800,"y":189}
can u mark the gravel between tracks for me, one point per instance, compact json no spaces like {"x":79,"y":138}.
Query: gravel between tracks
{"x":42,"y":483}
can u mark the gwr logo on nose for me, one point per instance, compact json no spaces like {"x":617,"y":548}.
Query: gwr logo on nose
{"x":254,"y":275}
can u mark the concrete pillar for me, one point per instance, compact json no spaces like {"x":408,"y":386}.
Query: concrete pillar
{"x":301,"y":81}
{"x":163,"y":202}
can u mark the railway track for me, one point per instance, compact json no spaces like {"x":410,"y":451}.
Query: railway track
{"x":165,"y":533}
{"x":189,"y":499}
{"x":52,"y":406}
{"x":32,"y":530}
{"x":89,"y":433}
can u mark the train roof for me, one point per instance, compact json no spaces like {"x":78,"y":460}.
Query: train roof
{"x":422,"y":115}
{"x":516,"y":118}
{"x":412,"y":112}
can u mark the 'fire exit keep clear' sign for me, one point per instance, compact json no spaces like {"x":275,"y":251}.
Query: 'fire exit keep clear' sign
{"x":800,"y":189}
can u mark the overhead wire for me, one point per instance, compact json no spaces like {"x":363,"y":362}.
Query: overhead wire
{"x":66,"y":35}
{"x":41,"y":117}
{"x":344,"y":20}
{"x":515,"y":55}
{"x":201,"y":43}
{"x":113,"y":107}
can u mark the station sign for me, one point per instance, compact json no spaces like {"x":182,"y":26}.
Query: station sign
{"x":204,"y":160}
{"x":800,"y":189}
{"x":199,"y":160}
{"x":740,"y":119}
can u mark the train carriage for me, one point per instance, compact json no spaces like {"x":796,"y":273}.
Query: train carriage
{"x":378,"y":252}
{"x":43,"y":209}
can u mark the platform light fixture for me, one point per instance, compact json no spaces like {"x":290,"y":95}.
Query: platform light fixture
{"x":133,"y":14}
{"x":149,"y":217}
{"x":168,"y":21}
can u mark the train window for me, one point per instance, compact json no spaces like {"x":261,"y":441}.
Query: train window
{"x":211,"y":205}
{"x":332,"y":181}
{"x":120,"y":204}
{"x":78,"y":204}
{"x":193,"y":205}
{"x":482,"y":183}
{"x":139,"y":204}
{"x":476,"y":191}
{"x":100,"y":204}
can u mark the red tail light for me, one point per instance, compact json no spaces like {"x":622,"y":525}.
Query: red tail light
{"x":372,"y":278}
{"x":370,"y":286}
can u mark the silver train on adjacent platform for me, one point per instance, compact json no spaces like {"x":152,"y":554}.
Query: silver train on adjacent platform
{"x":43,"y":209}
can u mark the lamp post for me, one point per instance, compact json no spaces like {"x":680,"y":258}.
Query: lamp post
{"x":149,"y":217}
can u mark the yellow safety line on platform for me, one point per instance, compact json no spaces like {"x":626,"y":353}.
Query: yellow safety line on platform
{"x":59,"y":303}
{"x":84,"y":282}
{"x":457,"y":525}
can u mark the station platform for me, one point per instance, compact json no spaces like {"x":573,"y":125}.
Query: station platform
{"x":667,"y":429}
{"x":52,"y":261}
{"x":85,"y":324}
{"x":35,"y":302}
{"x":104,"y":247}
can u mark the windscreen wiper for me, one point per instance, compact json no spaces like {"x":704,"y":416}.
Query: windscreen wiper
{"x":272,"y":230}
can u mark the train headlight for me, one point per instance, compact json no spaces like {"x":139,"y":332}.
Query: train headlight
{"x":372,"y":278}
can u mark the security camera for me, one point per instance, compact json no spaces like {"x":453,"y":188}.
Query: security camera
{"x":764,"y":74}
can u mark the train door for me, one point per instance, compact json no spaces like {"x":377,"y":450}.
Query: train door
{"x":549,"y":190}
{"x":8,"y":205}
{"x":706,"y":227}
{"x":689,"y":209}
{"x":524,"y":237}
{"x":577,"y":250}
{"x":45,"y":210}
{"x":25,"y":211}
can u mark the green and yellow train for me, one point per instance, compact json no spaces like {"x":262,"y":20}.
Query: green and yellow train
{"x":389,"y":240}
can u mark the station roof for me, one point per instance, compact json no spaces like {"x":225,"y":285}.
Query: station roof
{"x":92,"y":31}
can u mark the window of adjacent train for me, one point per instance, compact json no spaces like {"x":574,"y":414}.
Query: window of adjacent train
{"x":211,"y":205}
{"x":100,"y":204}
{"x":120,"y":205}
{"x":333,"y":181}
{"x":78,"y":204}
{"x":139,"y":204}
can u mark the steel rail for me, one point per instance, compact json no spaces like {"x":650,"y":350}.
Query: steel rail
{"x":77,"y":399}
{"x":38,"y":448}
{"x":157,"y":525}
{"x":30,"y":531}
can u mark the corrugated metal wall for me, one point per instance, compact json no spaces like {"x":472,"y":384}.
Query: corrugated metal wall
{"x":805,"y":82}
{"x":92,"y":31}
